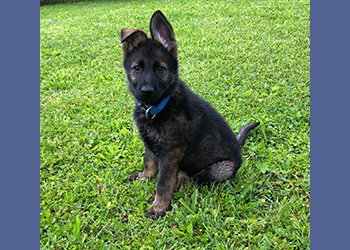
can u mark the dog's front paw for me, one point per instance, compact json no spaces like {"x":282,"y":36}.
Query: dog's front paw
{"x":134,"y":177}
{"x":154,"y":215}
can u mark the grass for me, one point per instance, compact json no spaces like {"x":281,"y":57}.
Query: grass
{"x":250,"y":59}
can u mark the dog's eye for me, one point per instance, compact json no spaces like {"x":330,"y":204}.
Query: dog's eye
{"x":161,"y":68}
{"x":137,"y":68}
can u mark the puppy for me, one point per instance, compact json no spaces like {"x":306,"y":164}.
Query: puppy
{"x":180,"y":130}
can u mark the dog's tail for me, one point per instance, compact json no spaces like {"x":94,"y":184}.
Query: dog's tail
{"x":242,"y":134}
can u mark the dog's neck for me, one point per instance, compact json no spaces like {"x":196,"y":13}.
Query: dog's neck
{"x":152,"y":110}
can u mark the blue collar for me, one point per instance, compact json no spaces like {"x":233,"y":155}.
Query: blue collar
{"x":153,"y":109}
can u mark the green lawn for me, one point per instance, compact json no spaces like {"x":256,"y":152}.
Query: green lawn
{"x":249,"y":58}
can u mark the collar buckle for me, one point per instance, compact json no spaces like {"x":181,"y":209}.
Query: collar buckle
{"x":147,"y":113}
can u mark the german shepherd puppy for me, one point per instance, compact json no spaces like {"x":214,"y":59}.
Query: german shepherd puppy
{"x":180,"y":130}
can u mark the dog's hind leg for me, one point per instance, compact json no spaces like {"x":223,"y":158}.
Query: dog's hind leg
{"x":151,"y":167}
{"x":217,"y":172}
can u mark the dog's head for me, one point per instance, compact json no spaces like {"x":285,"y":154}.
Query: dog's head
{"x":150,"y":63}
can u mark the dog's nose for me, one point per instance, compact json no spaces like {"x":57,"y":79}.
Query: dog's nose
{"x":147,"y":90}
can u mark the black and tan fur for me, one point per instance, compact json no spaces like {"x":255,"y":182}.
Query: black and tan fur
{"x":188,"y":135}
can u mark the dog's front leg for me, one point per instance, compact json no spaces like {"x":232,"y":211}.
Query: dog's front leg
{"x":151,"y":167}
{"x":167,"y":175}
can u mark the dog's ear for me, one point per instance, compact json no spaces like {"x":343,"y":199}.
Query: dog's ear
{"x":162,"y":32}
{"x":130,"y":39}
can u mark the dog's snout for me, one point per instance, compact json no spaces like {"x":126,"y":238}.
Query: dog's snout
{"x":147,"y":90}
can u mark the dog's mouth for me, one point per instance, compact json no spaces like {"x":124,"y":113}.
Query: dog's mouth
{"x":150,"y":99}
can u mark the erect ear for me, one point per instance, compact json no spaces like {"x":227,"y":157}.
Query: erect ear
{"x":162,"y":32}
{"x":130,"y":39}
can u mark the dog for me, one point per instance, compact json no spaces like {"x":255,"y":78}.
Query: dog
{"x":181,"y":132}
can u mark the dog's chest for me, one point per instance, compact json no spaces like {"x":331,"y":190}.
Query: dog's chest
{"x":152,"y":134}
